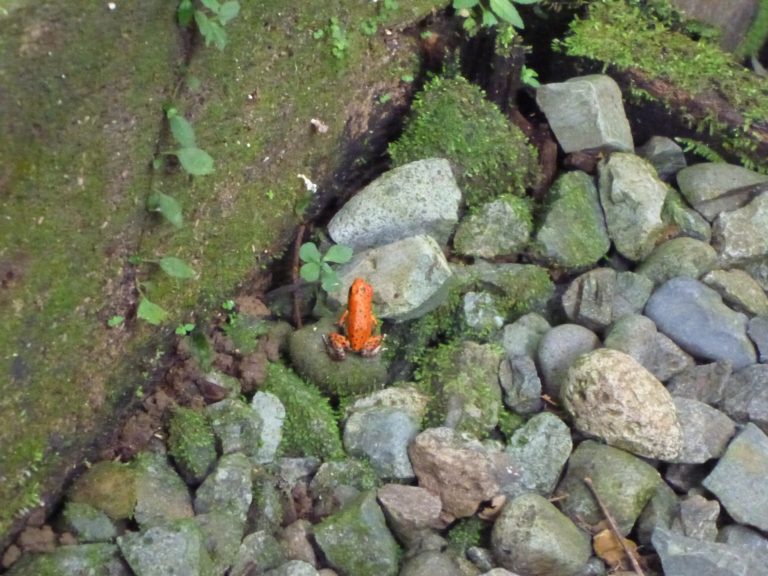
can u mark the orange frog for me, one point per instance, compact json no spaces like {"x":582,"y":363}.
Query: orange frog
{"x":358,"y":323}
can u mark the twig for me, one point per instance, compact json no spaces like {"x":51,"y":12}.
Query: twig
{"x":295,"y":274}
{"x":614,"y":528}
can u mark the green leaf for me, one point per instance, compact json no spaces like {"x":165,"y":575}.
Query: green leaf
{"x":507,"y":12}
{"x":338,"y":254}
{"x":489,"y":20}
{"x":526,"y":1}
{"x":150,"y":312}
{"x":228,"y":11}
{"x":195,"y":161}
{"x":464,"y":4}
{"x":329,"y":281}
{"x":115,"y":321}
{"x":309,"y":253}
{"x":176,"y":268}
{"x":212,"y":5}
{"x":212,"y":31}
{"x":168,"y":207}
{"x":310,"y":271}
{"x":185,"y":12}
{"x":184,"y":329}
{"x":182,"y":131}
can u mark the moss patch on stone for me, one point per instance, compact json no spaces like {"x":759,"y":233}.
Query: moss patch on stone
{"x":452,"y":119}
{"x":310,"y":427}
{"x":622,"y":35}
{"x":191,"y":443}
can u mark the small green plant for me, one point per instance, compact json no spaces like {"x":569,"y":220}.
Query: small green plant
{"x":339,"y":40}
{"x":700,"y":149}
{"x":116,"y":321}
{"x":167,"y":206}
{"x":193,"y":160}
{"x":529,"y":77}
{"x":210,"y":19}
{"x":173,"y":267}
{"x":184,"y":329}
{"x":490,"y":13}
{"x":317,"y":266}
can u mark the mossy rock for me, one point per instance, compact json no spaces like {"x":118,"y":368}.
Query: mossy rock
{"x":107,"y":486}
{"x":310,"y":427}
{"x":191,"y":444}
{"x":452,"y":119}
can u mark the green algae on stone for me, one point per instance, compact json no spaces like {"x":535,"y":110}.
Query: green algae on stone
{"x":356,"y":539}
{"x":500,"y":227}
{"x":573,"y":233}
{"x":452,"y":119}
{"x":98,"y":559}
{"x":107,"y":486}
{"x":191,"y":444}
{"x":621,"y":34}
{"x":310,"y":427}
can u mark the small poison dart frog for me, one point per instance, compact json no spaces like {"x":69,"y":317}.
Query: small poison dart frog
{"x":357,"y":323}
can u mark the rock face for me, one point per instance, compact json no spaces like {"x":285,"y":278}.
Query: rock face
{"x":632,"y":197}
{"x":706,"y":431}
{"x":457,"y":470}
{"x":705,"y":186}
{"x":406,"y":276}
{"x":741,"y":235}
{"x":421,"y":197}
{"x":738,"y":480}
{"x":611,"y":396}
{"x":586,"y":113}
{"x":695,"y":318}
{"x":533,"y":537}
{"x":693,"y":557}
{"x":678,"y":257}
{"x":496,"y":228}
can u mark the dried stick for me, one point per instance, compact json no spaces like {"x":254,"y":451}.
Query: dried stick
{"x":614,"y":528}
{"x":295,"y":275}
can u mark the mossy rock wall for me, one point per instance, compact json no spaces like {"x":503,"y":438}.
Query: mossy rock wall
{"x":81,"y":121}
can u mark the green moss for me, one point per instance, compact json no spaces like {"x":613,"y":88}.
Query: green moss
{"x":452,"y":119}
{"x":622,"y":35}
{"x":191,"y":443}
{"x":509,"y":422}
{"x":310,"y":427}
{"x":468,"y":532}
{"x":757,"y":33}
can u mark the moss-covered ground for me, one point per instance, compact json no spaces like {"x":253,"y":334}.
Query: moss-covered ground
{"x":81,"y":121}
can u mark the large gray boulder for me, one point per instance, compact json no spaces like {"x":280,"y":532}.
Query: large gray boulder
{"x":707,"y":186}
{"x":741,"y":235}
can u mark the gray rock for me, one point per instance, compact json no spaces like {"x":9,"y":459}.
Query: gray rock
{"x":685,"y":477}
{"x":745,"y":396}
{"x":641,"y":418}
{"x":589,"y":299}
{"x":87,"y":523}
{"x":339,"y":482}
{"x":678,"y":257}
{"x":431,"y":563}
{"x":637,"y":336}
{"x":750,"y":542}
{"x":418,"y":198}
{"x":631,"y":293}
{"x":632,"y":197}
{"x":482,"y":312}
{"x":410,"y":511}
{"x":664,"y":154}
{"x":532,"y":537}
{"x":758,"y":269}
{"x":534,"y":457}
{"x":296,"y":540}
{"x":356,"y":540}
{"x":173,"y":549}
{"x":407,"y":277}
{"x":695,"y":318}
{"x":293,"y":568}
{"x":83,"y":559}
{"x":706,"y":186}
{"x":521,"y":385}
{"x":499,"y":572}
{"x":585,"y":113}
{"x":521,"y":338}
{"x":625,"y":483}
{"x":236,"y":425}
{"x":573,"y":233}
{"x":757,"y":330}
{"x":683,"y":556}
{"x":738,"y":480}
{"x":405,"y":398}
{"x":381,"y":435}
{"x":266,"y":512}
{"x":228,"y":488}
{"x":457,"y":469}
{"x":501,"y":227}
{"x":222,"y":535}
{"x":161,"y":494}
{"x":738,"y":289}
{"x":659,"y":512}
{"x":272,"y":414}
{"x":706,"y":431}
{"x":481,"y":558}
{"x":257,"y":549}
{"x":732,"y":19}
{"x":742,"y":235}
{"x":697,"y":518}
{"x":704,"y":382}
{"x":683,"y":219}
{"x":558,"y":349}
